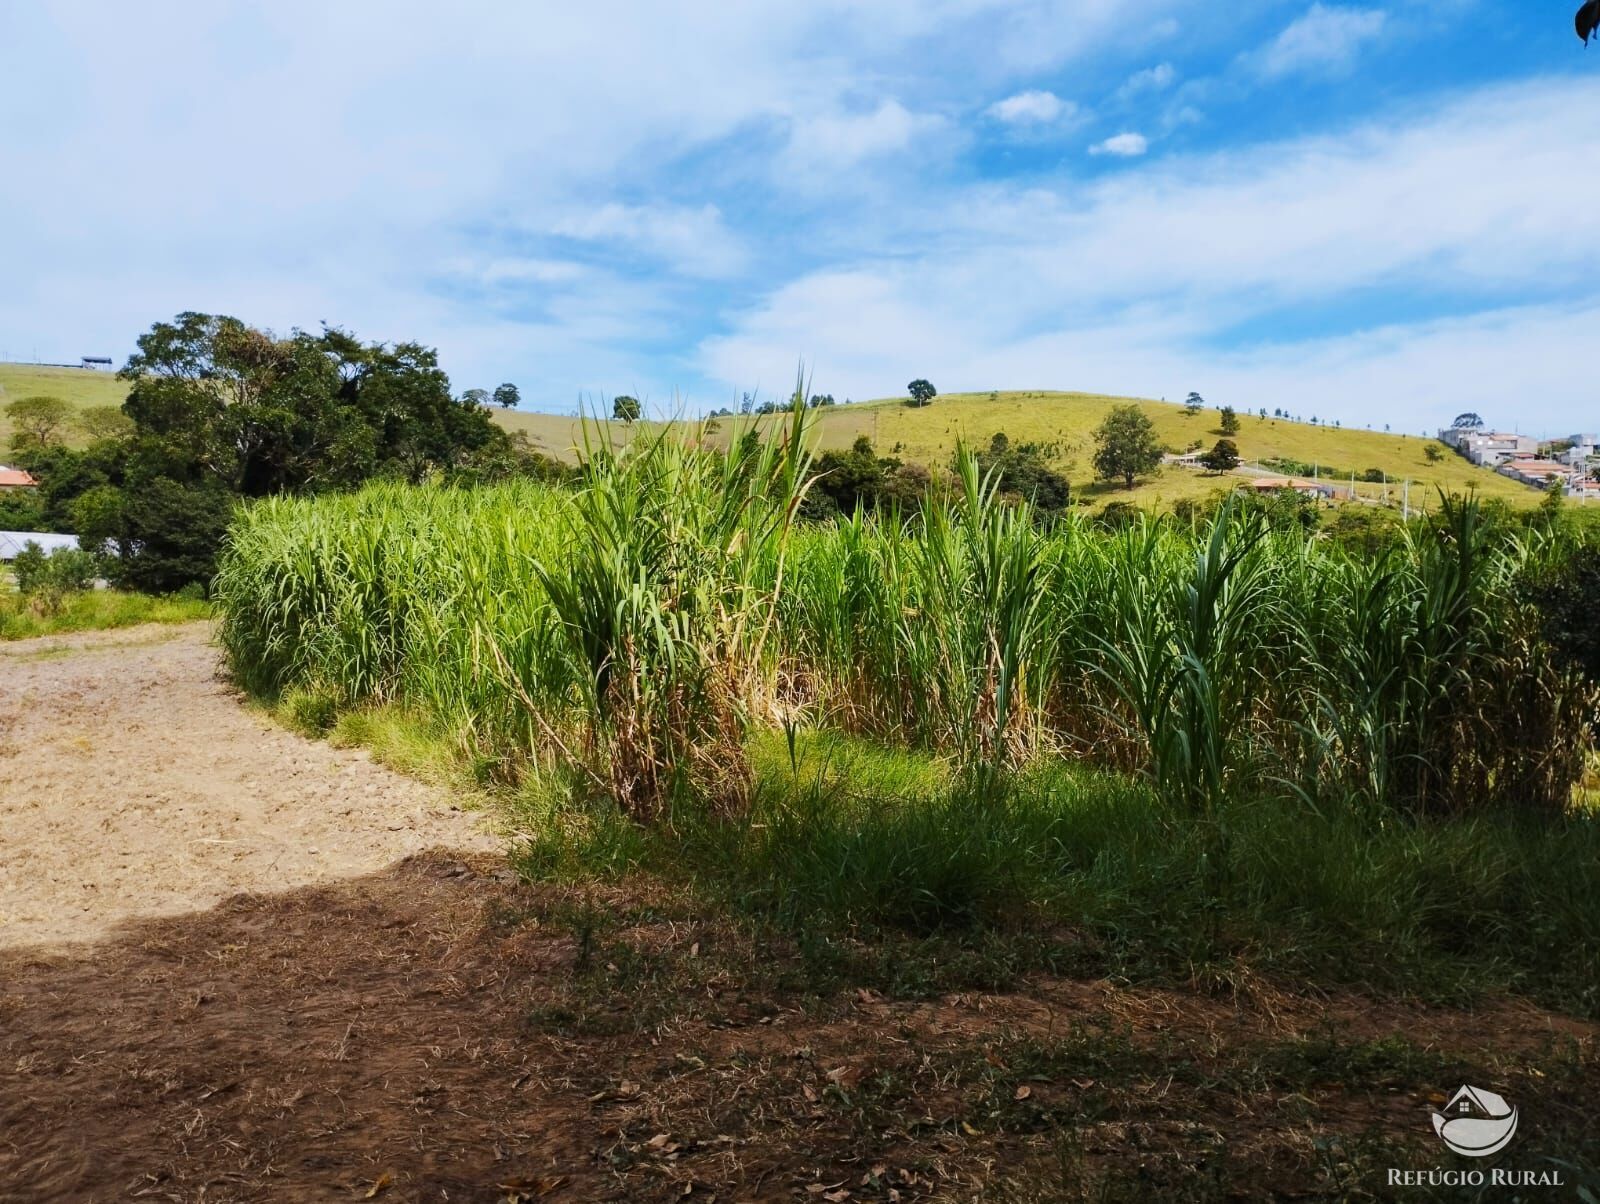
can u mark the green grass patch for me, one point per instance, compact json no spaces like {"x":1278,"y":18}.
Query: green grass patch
{"x":95,"y":610}
{"x":849,"y":847}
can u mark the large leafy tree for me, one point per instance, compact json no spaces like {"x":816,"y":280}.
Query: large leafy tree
{"x":1125,"y":445}
{"x":37,"y":422}
{"x":217,"y":402}
{"x":921,"y":392}
{"x":507,"y":396}
{"x":626,"y":409}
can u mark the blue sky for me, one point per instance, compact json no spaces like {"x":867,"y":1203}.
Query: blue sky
{"x":1381,"y":213}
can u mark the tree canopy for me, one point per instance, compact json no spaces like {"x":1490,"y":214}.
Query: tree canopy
{"x":37,"y":422}
{"x":1125,"y":445}
{"x":218,"y":410}
{"x":507,"y":396}
{"x":1223,"y":457}
{"x":626,"y":409}
{"x":921,"y":392}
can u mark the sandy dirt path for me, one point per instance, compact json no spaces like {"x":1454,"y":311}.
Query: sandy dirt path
{"x":133,"y":783}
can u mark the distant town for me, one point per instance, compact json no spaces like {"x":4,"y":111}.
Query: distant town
{"x":1572,"y":463}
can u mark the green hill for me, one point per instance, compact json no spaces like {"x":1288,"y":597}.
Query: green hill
{"x":81,"y":387}
{"x":928,"y":435}
{"x":1067,"y":422}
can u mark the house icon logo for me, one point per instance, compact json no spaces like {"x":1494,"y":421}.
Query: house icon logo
{"x":1476,"y":1123}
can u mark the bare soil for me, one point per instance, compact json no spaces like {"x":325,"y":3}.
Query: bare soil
{"x":387,"y":1020}
{"x":134,"y":783}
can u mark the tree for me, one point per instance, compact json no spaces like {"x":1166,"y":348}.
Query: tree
{"x":477,"y":398}
{"x":626,"y":409}
{"x":1465,"y":422}
{"x":1125,"y":445}
{"x":1022,"y":470}
{"x":507,"y":397}
{"x":216,"y":401}
{"x":105,"y":422}
{"x":1223,"y":457}
{"x":1432,"y":453}
{"x":921,"y":392}
{"x":1230,"y":421}
{"x":37,"y":422}
{"x":1194,"y":403}
{"x":171,"y":533}
{"x":819,"y":400}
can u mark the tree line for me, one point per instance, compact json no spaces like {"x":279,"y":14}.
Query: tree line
{"x":219,"y":411}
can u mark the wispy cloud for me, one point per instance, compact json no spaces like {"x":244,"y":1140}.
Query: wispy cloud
{"x":1325,"y":40}
{"x":1152,"y":79}
{"x":1141,"y":282}
{"x":693,"y":239}
{"x":1124,"y":146}
{"x":830,"y":141}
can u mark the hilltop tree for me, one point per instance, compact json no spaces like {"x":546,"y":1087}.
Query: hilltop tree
{"x":1194,"y":403}
{"x":818,"y":400}
{"x":507,"y":396}
{"x":1230,"y":421}
{"x":37,"y":422}
{"x":1223,"y":457}
{"x":477,"y":398}
{"x":1466,"y":422}
{"x":627,"y":409}
{"x":1125,"y":445}
{"x":921,"y":392}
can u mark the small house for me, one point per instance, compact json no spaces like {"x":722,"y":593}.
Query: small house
{"x":15,"y":478}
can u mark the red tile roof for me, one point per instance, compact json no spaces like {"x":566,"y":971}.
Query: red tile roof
{"x":15,"y":478}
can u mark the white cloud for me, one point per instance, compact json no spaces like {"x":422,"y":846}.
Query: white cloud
{"x":1139,"y":282}
{"x":1151,"y":79}
{"x":1326,"y":39}
{"x":1031,"y":107}
{"x":1126,"y":146}
{"x":511,"y":270}
{"x":694,"y":240}
{"x":830,"y":141}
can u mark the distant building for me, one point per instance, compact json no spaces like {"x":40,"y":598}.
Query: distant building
{"x":12,"y":543}
{"x":1489,"y":448}
{"x":1538,"y":473}
{"x":15,"y":478}
{"x":1299,"y":484}
{"x":97,"y":361}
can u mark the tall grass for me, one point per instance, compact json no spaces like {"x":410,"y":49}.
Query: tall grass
{"x":640,"y":628}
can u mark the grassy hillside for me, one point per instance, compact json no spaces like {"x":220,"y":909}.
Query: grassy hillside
{"x":929,"y":436}
{"x":82,"y":387}
{"x":1067,"y":420}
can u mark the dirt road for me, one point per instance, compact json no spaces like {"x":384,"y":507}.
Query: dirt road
{"x":134,"y":783}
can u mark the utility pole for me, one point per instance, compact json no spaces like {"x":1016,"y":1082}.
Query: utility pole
{"x":1405,"y":504}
